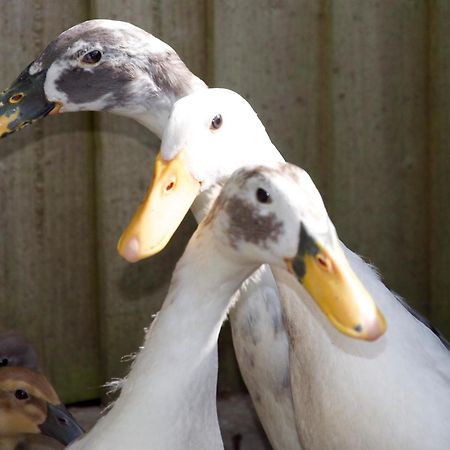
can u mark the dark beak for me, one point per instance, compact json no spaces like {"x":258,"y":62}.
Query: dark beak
{"x":61,"y":425}
{"x":24,"y":102}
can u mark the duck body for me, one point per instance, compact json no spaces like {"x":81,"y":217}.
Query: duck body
{"x":392,"y":394}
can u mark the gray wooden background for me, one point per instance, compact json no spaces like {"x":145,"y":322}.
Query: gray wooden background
{"x":357,"y":92}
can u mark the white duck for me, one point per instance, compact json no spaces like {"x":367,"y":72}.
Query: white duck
{"x":168,"y":401}
{"x":105,"y":65}
{"x":391,"y":394}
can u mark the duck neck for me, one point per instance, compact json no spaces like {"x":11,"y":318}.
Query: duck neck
{"x":174,"y":377}
{"x":204,"y":202}
{"x":158,"y":106}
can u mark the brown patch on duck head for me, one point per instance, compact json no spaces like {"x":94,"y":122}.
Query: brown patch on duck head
{"x":245,"y":223}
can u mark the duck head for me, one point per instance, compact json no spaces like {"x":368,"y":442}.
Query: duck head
{"x":30,"y":405}
{"x":210,"y":134}
{"x":276,"y":215}
{"x":99,"y":65}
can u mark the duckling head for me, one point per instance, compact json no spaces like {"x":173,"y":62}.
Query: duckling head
{"x":99,"y":65}
{"x":30,"y":405}
{"x":16,"y":351}
{"x":276,"y":215}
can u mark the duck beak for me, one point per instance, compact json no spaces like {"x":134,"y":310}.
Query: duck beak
{"x":24,"y":102}
{"x":326,"y":274}
{"x":61,"y":425}
{"x":168,"y":199}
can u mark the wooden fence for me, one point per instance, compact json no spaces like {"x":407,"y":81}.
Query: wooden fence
{"x":357,"y":92}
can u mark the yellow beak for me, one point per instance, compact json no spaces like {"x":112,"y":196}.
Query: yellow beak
{"x":168,"y":199}
{"x":331,"y":282}
{"x":6,"y":121}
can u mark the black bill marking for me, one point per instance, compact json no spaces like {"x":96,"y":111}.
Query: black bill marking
{"x":306,"y":246}
{"x":32,"y":106}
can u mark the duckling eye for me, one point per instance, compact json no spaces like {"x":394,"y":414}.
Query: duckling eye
{"x":20,"y":394}
{"x":93,"y":57}
{"x":216,"y":123}
{"x":16,"y":98}
{"x":4,"y":362}
{"x":263,"y":196}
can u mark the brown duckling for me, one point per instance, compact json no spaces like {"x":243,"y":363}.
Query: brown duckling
{"x":30,"y":405}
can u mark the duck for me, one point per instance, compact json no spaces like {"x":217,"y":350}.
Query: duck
{"x":114,"y":66}
{"x":17,"y":351}
{"x":392,"y":392}
{"x":168,"y":400}
{"x":29,"y":405}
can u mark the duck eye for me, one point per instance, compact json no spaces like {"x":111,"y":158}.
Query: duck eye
{"x":93,"y":57}
{"x":16,"y":98}
{"x":263,"y":196}
{"x":20,"y":394}
{"x":216,"y":123}
{"x":4,"y":362}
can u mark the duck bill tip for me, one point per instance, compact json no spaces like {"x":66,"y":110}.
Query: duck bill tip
{"x":168,"y":199}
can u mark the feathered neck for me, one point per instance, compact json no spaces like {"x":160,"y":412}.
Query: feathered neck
{"x":169,"y":398}
{"x":155,"y":112}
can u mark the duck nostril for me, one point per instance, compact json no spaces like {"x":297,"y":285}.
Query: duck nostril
{"x":323,"y":261}
{"x":170,"y":186}
{"x":358,"y":328}
{"x":62,"y":420}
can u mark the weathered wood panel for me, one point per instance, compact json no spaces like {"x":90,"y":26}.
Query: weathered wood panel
{"x":378,"y":178}
{"x":129,"y":294}
{"x":47,"y":228}
{"x":440,"y":163}
{"x":271,"y":52}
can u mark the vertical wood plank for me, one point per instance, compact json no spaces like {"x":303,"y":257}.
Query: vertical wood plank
{"x":125,"y":153}
{"x":271,"y":52}
{"x":378,"y":179}
{"x":47,"y":227}
{"x":440,"y":163}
